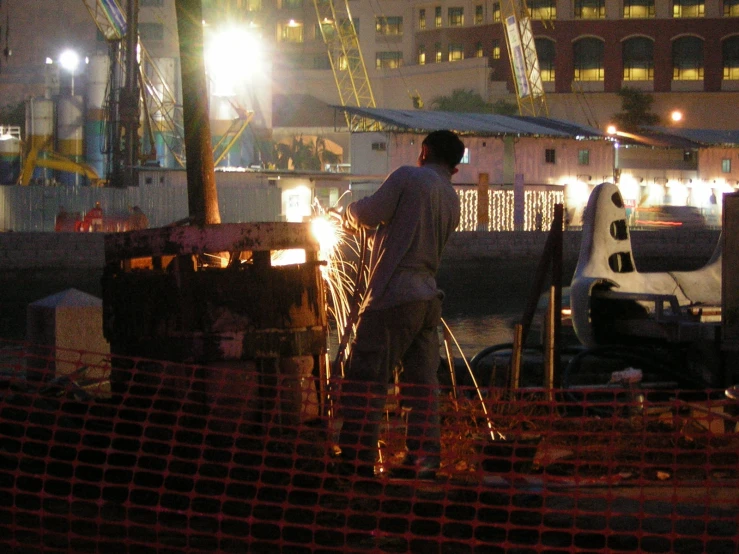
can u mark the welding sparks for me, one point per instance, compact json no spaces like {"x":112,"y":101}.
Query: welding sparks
{"x":343,"y":270}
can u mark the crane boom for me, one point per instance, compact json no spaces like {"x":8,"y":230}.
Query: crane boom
{"x":523,"y":58}
{"x":345,"y":55}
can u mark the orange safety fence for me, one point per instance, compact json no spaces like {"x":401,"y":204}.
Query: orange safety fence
{"x":117,"y":454}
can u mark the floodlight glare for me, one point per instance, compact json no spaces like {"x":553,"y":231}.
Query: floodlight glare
{"x":232,"y":56}
{"x":69,"y":60}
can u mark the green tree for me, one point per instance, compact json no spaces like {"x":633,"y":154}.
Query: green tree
{"x":461,"y":100}
{"x":469,"y":101}
{"x":635,"y":111}
{"x":504,"y":107}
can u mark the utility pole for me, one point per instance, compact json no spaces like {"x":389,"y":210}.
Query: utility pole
{"x":202,"y":195}
{"x":130,"y":97}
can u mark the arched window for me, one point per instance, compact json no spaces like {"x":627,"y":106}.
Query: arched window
{"x":638,"y":58}
{"x":545,"y":52}
{"x":687,"y":59}
{"x":730,"y":56}
{"x":588,"y":55}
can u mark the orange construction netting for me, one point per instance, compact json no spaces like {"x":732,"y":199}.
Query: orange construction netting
{"x":112,"y":454}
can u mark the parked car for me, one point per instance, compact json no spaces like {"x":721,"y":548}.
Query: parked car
{"x":669,"y":216}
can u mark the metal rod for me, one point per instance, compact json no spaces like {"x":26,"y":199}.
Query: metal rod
{"x":516,"y":356}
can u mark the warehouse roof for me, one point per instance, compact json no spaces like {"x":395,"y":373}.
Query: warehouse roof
{"x":705,"y":137}
{"x":422,"y":121}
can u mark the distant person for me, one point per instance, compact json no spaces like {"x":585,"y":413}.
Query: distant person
{"x":138,"y":219}
{"x":413,"y":213}
{"x":62,"y":220}
{"x":94,"y":218}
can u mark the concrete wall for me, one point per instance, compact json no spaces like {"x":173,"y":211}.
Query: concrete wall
{"x":86,"y":250}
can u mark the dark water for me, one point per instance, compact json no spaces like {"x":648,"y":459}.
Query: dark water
{"x":484,"y":298}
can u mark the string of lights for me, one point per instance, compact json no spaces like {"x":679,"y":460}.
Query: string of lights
{"x":501,"y":209}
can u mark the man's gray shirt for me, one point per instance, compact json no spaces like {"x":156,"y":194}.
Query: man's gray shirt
{"x":415,"y":210}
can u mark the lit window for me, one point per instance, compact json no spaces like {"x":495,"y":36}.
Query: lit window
{"x":545,"y":53}
{"x":421,"y":55}
{"x":588,"y":54}
{"x":389,"y":25}
{"x":638,"y":9}
{"x":731,"y":8}
{"x":496,"y":12}
{"x":687,"y":59}
{"x":479,"y":50}
{"x":456,"y":52}
{"x":543,"y":9}
{"x":456,"y":17}
{"x":388,"y":60}
{"x":479,"y":15}
{"x":726,"y":165}
{"x":437,"y":52}
{"x":496,"y":50}
{"x":583,"y":157}
{"x":292,"y":31}
{"x":550,"y":156}
{"x":465,"y":157}
{"x":638,"y":57}
{"x":687,"y":8}
{"x":421,"y":19}
{"x":730,"y":56}
{"x":437,"y":16}
{"x":590,"y":9}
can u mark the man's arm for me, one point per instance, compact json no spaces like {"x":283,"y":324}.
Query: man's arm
{"x":380,"y":207}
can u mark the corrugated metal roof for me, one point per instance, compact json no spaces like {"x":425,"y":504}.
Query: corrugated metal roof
{"x":709,"y":137}
{"x":471,"y":123}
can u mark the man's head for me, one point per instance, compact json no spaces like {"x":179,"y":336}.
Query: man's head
{"x":442,"y":147}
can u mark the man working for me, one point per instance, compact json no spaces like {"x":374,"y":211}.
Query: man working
{"x":414,"y":212}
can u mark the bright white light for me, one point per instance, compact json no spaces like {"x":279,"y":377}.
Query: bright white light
{"x":296,"y":203}
{"x":327,"y":232}
{"x":611,"y":129}
{"x":676,"y":116}
{"x":233,"y":56}
{"x":69,"y":60}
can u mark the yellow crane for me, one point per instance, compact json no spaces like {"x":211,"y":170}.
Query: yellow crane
{"x":55,"y":161}
{"x":345,"y":55}
{"x":516,"y":22}
{"x":159,"y":101}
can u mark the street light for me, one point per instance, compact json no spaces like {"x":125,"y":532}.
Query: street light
{"x":70,"y":60}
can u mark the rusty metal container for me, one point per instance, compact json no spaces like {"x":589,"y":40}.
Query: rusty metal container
{"x":214,"y":296}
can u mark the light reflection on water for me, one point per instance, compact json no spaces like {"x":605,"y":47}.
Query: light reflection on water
{"x":473,"y":333}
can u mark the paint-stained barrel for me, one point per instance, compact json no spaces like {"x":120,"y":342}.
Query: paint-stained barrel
{"x":257,"y":332}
